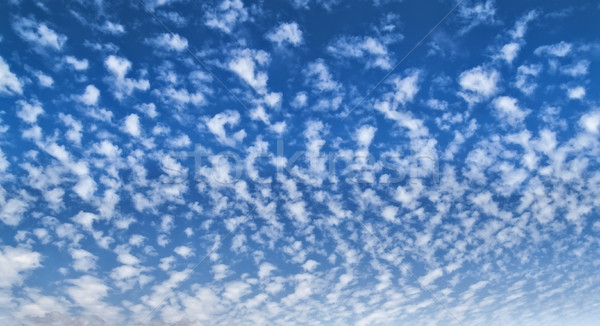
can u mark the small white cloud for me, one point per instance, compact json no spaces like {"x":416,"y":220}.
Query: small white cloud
{"x":11,"y":212}
{"x":373,"y":50}
{"x":119,"y":67}
{"x":76,"y":63}
{"x":234,"y":291}
{"x":507,"y":109}
{"x":525,"y":75}
{"x":406,"y":88}
{"x":265,"y":270}
{"x":131,"y":125}
{"x":14,"y":262}
{"x":83,"y":260}
{"x":561,"y":49}
{"x":184,"y":251}
{"x":9,"y":82}
{"x":318,"y":76}
{"x":580,"y":68}
{"x":220,"y":271}
{"x":112,"y":28}
{"x":29,"y":112}
{"x":43,"y":79}
{"x":216,"y":125}
{"x":431,"y":276}
{"x":85,"y":188}
{"x":168,"y":41}
{"x":300,"y":100}
{"x":38,"y":34}
{"x":509,"y":51}
{"x":479,"y":14}
{"x":310,"y":265}
{"x":478,"y":83}
{"x":576,"y":93}
{"x":246,"y":64}
{"x":90,"y":96}
{"x":389,"y":213}
{"x":288,"y":33}
{"x":364,"y":135}
{"x":591,"y":122}
{"x":227,"y":15}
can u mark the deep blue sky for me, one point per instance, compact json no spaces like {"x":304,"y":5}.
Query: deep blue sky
{"x":232,"y":172}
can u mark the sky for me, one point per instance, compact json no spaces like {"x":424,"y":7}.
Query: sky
{"x":299,"y":162}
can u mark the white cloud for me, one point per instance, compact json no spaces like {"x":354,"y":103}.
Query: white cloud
{"x":576,"y":93}
{"x":85,"y":188}
{"x":4,"y":164}
{"x":580,"y":68}
{"x":360,"y":47}
{"x":131,"y":125}
{"x":509,"y":51}
{"x":216,"y":125}
{"x":300,"y":100}
{"x":227,"y":15}
{"x":83,"y":260}
{"x":407,"y":87}
{"x":479,"y":14}
{"x":524,"y":75}
{"x":220,"y":271}
{"x":90,"y":96}
{"x":119,"y":67}
{"x":43,"y":79}
{"x":507,"y":109}
{"x":29,"y":112}
{"x":39,"y":34}
{"x":14,"y":262}
{"x":184,"y":251}
{"x":591,"y":122}
{"x":364,"y":135}
{"x":234,"y":291}
{"x":12,"y":211}
{"x":518,"y":32}
{"x":112,"y":28}
{"x":76,"y":63}
{"x":85,"y":219}
{"x":169,"y":42}
{"x":431,"y":276}
{"x":245,"y":65}
{"x":478,"y":83}
{"x":318,"y":76}
{"x":560,"y":49}
{"x":9,"y":82}
{"x":286,"y":33}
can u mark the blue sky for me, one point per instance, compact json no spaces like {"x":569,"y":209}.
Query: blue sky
{"x":233,"y":171}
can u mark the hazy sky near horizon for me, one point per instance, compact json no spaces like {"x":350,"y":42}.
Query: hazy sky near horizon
{"x":286,"y":163}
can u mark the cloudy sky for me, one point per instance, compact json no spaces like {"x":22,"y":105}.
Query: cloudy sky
{"x":299,"y":162}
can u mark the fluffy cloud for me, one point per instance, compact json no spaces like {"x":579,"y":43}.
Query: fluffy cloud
{"x":478,"y":83}
{"x":15,"y":262}
{"x":560,"y":49}
{"x":39,"y":34}
{"x":286,"y":33}
{"x":246,"y":65}
{"x":131,"y":125}
{"x":591,"y":122}
{"x":166,"y":41}
{"x":9,"y":82}
{"x":29,"y":112}
{"x":90,"y":96}
{"x":361,"y":47}
{"x":226,"y":15}
{"x":119,"y":67}
{"x":216,"y":125}
{"x":507,"y":110}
